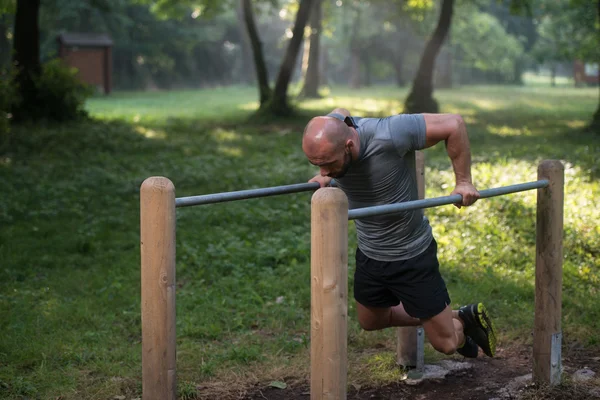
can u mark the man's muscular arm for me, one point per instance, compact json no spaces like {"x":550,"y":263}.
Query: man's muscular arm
{"x":451,"y":129}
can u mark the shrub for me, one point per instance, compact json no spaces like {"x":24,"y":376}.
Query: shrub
{"x":61,"y":95}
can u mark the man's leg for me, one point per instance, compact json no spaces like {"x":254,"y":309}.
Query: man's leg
{"x":444,"y":331}
{"x":375,"y":318}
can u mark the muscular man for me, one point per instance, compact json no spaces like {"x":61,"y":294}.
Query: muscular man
{"x":397,"y":281}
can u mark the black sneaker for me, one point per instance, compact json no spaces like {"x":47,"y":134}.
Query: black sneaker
{"x":469,"y":348}
{"x":479,"y":327}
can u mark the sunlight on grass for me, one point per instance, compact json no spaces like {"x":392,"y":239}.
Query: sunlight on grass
{"x":576,"y":124}
{"x":230,"y":151}
{"x":538,"y":104}
{"x":488,"y":105}
{"x":508,"y":131}
{"x":545,"y":80}
{"x":252,"y":106}
{"x":362,"y":107}
{"x":383,"y":368}
{"x":224,"y":135}
{"x":463,"y":111}
{"x":150,"y":133}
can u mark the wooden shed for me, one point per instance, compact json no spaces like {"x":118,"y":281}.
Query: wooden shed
{"x":91,"y":54}
{"x":586,"y":73}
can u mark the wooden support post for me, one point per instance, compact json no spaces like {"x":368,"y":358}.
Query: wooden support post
{"x":410,"y":342}
{"x":547,"y":335}
{"x":329,"y":295}
{"x":157,"y":244}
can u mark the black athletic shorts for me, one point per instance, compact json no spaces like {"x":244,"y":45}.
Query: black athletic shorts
{"x":415,"y":282}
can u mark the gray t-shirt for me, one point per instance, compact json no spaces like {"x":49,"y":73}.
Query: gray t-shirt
{"x":384,"y":173}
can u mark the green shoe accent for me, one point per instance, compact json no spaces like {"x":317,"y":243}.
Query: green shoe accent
{"x":479,"y":326}
{"x":483,"y":317}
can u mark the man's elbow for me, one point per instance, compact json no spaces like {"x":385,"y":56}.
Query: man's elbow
{"x":342,"y":111}
{"x":458,"y":123}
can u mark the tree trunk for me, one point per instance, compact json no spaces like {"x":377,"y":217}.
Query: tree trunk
{"x":4,"y":43}
{"x":355,"y":78}
{"x":367,"y":70}
{"x":279,"y":103}
{"x":553,"y":75}
{"x":246,"y":71}
{"x":445,"y":72}
{"x":311,"y":82}
{"x":421,"y":98}
{"x":518,"y":71}
{"x":398,"y":63}
{"x":324,"y":66}
{"x":355,"y":81}
{"x":26,"y":56}
{"x":264,"y":89}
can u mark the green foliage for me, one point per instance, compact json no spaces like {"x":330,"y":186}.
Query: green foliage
{"x":481,"y":42}
{"x":175,"y":8}
{"x":8,"y":6}
{"x":187,"y":391}
{"x":180,"y":46}
{"x":61,"y":95}
{"x":568,"y":30}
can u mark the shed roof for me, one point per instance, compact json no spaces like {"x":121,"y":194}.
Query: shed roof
{"x":85,"y":39}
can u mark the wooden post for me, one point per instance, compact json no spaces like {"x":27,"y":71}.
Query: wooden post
{"x":410,"y":342}
{"x":547,"y":335}
{"x":329,"y":294}
{"x":157,"y":244}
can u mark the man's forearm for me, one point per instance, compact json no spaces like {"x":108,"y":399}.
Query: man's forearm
{"x":459,"y":151}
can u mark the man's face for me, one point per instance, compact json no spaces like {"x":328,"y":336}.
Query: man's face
{"x":334,"y":164}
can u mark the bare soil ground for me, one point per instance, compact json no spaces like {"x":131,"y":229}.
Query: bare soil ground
{"x":488,"y":379}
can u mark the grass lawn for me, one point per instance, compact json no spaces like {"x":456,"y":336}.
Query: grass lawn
{"x":69,"y":236}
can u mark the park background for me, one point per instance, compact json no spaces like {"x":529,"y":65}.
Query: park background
{"x":214,"y":95}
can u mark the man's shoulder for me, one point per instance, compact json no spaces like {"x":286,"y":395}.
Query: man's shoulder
{"x":377,"y":128}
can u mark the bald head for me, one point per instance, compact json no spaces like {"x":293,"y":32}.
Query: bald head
{"x":324,"y":136}
{"x":331,"y":145}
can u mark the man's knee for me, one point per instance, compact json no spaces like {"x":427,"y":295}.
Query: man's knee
{"x":370,"y":321}
{"x":446,"y":345}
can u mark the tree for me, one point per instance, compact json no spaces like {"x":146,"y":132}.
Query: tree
{"x":247,"y":74}
{"x":5,"y":45}
{"x":555,"y":42}
{"x":421,"y":98}
{"x":569,"y":31}
{"x":279,"y":103}
{"x":311,"y":81}
{"x":260,"y":67}
{"x":26,"y":55}
{"x":276,"y":103}
{"x":517,"y":18}
{"x":482,"y":47}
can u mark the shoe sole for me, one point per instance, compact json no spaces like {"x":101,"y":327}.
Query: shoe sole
{"x":488,"y":326}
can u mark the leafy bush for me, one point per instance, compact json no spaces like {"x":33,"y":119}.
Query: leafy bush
{"x":61,"y":95}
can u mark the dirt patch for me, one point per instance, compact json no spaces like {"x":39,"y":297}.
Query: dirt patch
{"x":487,"y":379}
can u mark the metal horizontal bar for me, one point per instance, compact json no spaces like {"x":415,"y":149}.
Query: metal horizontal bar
{"x":245,"y":194}
{"x":440,"y":201}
